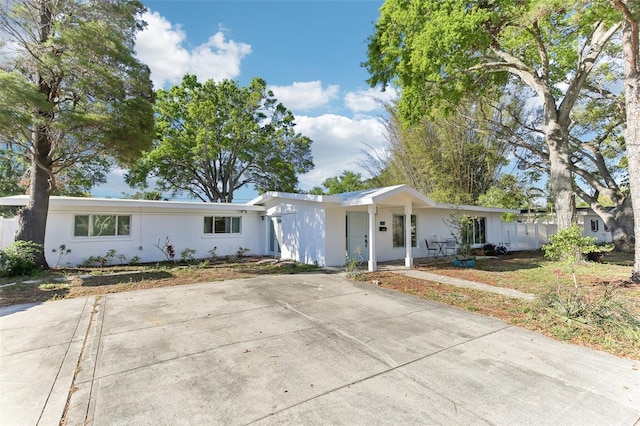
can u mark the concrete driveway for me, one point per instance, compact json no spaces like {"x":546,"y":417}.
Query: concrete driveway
{"x":298,"y":349}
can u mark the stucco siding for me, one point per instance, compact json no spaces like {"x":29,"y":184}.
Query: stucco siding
{"x":303,"y":231}
{"x":335,"y":236}
{"x":184,"y":230}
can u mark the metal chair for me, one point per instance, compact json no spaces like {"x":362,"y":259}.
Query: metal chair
{"x":450,"y":246}
{"x":430,"y":249}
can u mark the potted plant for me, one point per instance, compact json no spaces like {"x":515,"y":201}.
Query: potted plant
{"x":460,"y":226}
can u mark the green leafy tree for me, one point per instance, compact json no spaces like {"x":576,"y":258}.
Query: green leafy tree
{"x":75,"y":180}
{"x":443,"y":50}
{"x":598,"y":162}
{"x":452,"y":158}
{"x":507,"y":193}
{"x":214,"y":138}
{"x":12,"y":173}
{"x":348,"y":181}
{"x":72,"y":92}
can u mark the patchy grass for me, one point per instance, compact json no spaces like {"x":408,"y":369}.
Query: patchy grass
{"x":60,"y":283}
{"x":602,"y":313}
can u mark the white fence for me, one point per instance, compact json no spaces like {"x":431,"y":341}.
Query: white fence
{"x":8,"y":228}
{"x":518,"y":236}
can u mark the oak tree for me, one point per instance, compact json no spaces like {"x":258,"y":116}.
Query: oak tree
{"x":216,"y":137}
{"x":444,"y":50}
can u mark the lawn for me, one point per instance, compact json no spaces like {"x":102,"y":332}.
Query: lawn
{"x":603,"y":312}
{"x":60,"y":283}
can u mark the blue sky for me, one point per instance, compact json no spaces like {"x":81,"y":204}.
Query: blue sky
{"x":309,"y":53}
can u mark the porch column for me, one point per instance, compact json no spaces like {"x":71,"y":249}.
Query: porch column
{"x":373,"y":265}
{"x":408,"y":259}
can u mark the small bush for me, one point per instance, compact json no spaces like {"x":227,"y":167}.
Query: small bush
{"x":187,"y":255}
{"x":570,"y":245}
{"x":19,"y":258}
{"x":352,"y":267}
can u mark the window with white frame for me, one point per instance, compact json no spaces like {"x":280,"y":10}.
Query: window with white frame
{"x":101,"y":225}
{"x":222,"y":224}
{"x":595,"y":225}
{"x":476,"y":231}
{"x":399,"y":231}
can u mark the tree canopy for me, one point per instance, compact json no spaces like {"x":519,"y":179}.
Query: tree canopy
{"x":72,"y":93}
{"x":214,"y":138}
{"x":452,"y":158}
{"x":348,"y":181}
{"x":441,"y":51}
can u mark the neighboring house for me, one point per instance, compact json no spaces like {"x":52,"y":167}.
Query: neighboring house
{"x":372,"y":225}
{"x":592,"y":225}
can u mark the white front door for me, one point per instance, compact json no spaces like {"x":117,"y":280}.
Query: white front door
{"x":357,"y":236}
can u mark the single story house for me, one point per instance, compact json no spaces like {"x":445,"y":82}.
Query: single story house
{"x":373,"y":225}
{"x":592,"y":225}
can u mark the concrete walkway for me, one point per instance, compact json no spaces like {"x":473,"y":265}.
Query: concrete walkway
{"x":415,"y":273}
{"x":308,"y":349}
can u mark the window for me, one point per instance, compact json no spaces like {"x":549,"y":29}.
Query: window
{"x":101,"y":225}
{"x":398,"y":231}
{"x":222,"y":225}
{"x":476,"y":232}
{"x":595,"y":225}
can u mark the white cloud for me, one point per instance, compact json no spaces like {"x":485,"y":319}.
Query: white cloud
{"x":369,"y":100}
{"x":338,"y":142}
{"x":305,"y":95}
{"x":160,"y":46}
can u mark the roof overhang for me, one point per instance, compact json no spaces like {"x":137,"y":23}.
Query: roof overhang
{"x":65,"y":203}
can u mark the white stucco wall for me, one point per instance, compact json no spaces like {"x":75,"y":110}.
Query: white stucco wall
{"x":148,"y":228}
{"x":335,"y":236}
{"x":601,"y":235}
{"x":303,"y":231}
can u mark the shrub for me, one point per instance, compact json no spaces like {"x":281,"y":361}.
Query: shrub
{"x":187,"y":254}
{"x":352,"y":267}
{"x":19,"y":258}
{"x":569,"y":245}
{"x":62,"y":252}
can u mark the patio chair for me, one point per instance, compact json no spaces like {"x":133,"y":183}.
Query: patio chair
{"x":430,"y":249}
{"x":450,"y":246}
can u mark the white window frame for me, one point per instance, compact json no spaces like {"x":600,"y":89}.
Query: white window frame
{"x":118,"y":226}
{"x":210,"y":229}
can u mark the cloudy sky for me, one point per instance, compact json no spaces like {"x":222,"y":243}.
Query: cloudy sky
{"x":308,"y":51}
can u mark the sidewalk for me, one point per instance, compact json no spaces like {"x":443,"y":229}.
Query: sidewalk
{"x":422,"y":275}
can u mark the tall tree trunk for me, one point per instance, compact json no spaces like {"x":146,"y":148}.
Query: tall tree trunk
{"x":560,"y":177}
{"x":619,"y":221}
{"x":632,"y":131}
{"x":631,"y":56}
{"x":33,"y":218}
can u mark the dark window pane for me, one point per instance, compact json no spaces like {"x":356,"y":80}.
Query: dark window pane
{"x":208,"y":225}
{"x":81,"y":226}
{"x":103,"y":225}
{"x":124,"y":223}
{"x":398,"y":231}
